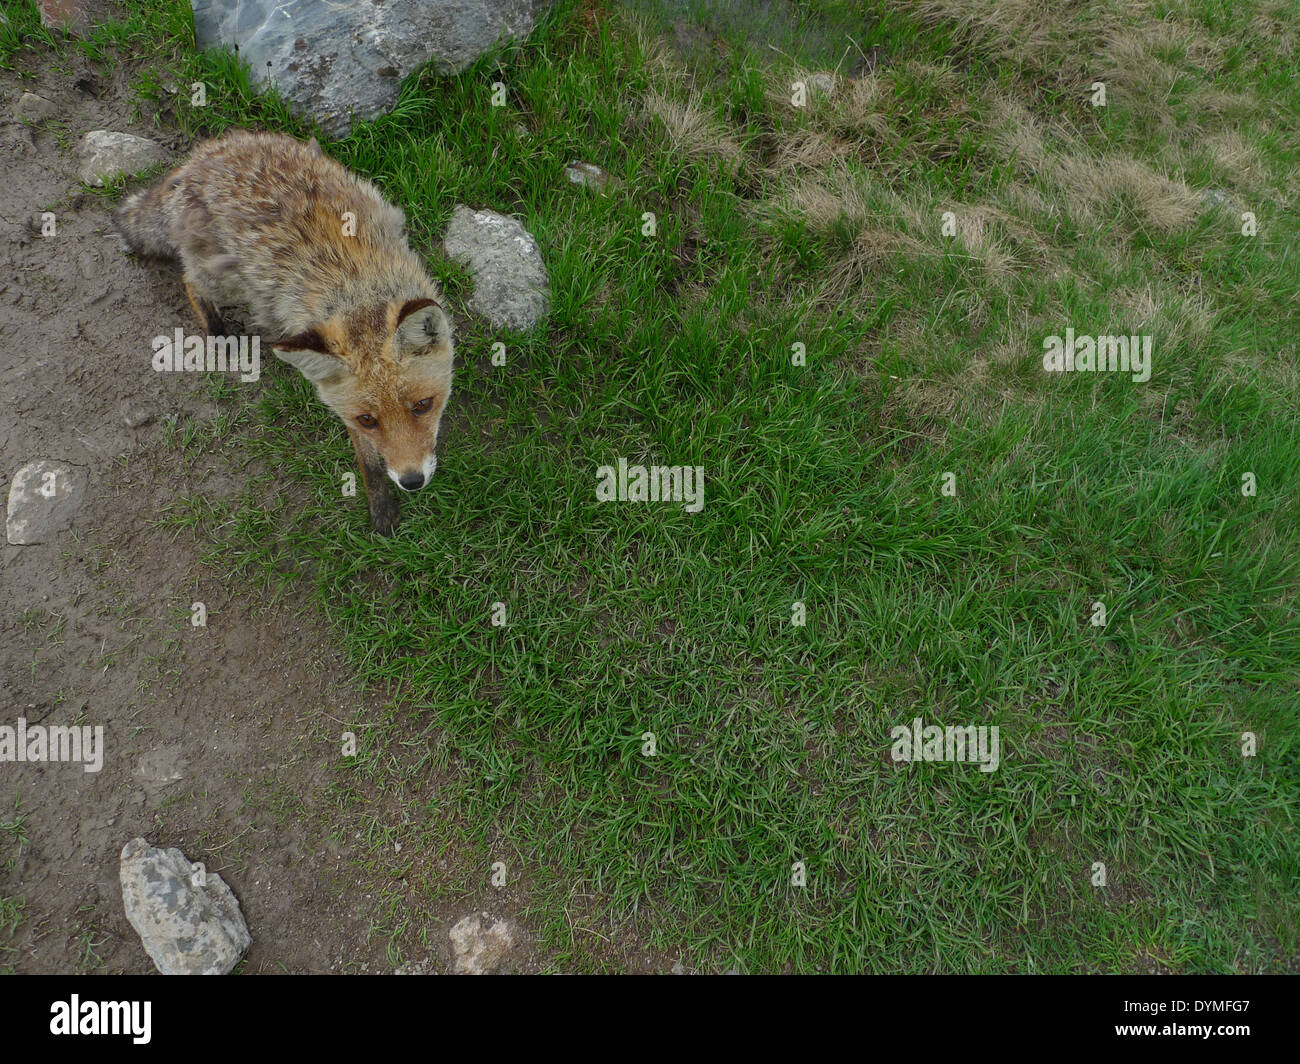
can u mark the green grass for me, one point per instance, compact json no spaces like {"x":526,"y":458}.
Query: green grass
{"x":1121,"y":744}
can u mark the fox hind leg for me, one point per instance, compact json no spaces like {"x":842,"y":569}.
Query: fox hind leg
{"x":208,"y":313}
{"x":140,"y":223}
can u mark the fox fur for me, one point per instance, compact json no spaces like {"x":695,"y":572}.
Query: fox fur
{"x":319,"y":259}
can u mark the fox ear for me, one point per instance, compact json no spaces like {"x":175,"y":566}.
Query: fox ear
{"x":421,"y":323}
{"x":309,"y":353}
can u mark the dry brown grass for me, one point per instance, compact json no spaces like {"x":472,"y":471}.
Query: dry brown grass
{"x":1013,"y":29}
{"x":934,"y":396}
{"x":1182,"y":316}
{"x":1133,"y":48}
{"x":1277,"y":22}
{"x":855,"y":112}
{"x":860,"y":108}
{"x":1086,"y":179}
{"x":840,"y":166}
{"x":801,"y":151}
{"x":823,"y":201}
{"x":662,"y":66}
{"x":1231,"y":151}
{"x":692,"y":131}
{"x":975,"y":227}
{"x":852,"y":272}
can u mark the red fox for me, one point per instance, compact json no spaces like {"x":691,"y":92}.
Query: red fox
{"x":317,"y":256}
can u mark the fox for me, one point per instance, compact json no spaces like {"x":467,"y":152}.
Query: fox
{"x":319,"y":259}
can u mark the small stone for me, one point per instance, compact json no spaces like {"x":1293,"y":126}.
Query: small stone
{"x":34,"y":108}
{"x":588,"y":175}
{"x":159,"y":768}
{"x":104,"y":154}
{"x":480,"y":944}
{"x":187,"y":918}
{"x":511,"y":287}
{"x":44,"y":496}
{"x":678,"y":969}
{"x":137,"y":417}
{"x":77,"y":17}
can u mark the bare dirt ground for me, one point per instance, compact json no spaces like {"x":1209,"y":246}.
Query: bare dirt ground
{"x":220,"y":740}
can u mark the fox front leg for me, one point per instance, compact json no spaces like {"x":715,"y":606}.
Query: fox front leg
{"x":385,"y":510}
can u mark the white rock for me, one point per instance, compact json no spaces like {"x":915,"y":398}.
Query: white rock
{"x":34,"y":108}
{"x":590,"y":176}
{"x":511,"y":287}
{"x":187,"y":918}
{"x":104,"y":153}
{"x":44,"y":497}
{"x":480,"y":944}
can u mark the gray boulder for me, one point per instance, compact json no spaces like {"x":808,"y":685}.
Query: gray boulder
{"x":187,"y":918}
{"x":511,"y":287}
{"x":44,"y":496}
{"x":339,"y":63}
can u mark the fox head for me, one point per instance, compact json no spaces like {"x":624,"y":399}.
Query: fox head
{"x":385,"y":370}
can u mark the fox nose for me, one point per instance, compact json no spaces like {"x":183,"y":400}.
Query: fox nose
{"x":411,"y":481}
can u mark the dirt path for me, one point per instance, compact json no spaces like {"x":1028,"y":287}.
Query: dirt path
{"x":219,"y":739}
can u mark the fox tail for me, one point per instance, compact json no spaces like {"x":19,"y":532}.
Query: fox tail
{"x":140,"y":223}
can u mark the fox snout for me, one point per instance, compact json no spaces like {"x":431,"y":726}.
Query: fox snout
{"x":415,"y":479}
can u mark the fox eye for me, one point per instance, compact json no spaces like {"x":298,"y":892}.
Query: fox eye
{"x":368,"y":420}
{"x":422,"y":407}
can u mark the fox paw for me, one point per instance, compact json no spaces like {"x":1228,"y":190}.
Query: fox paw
{"x":384,"y":520}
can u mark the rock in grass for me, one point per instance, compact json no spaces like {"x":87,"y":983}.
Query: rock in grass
{"x":187,"y":918}
{"x":104,"y":154}
{"x":339,"y":62}
{"x":591,"y":176}
{"x":77,"y":17}
{"x":480,"y":944}
{"x":44,"y":496}
{"x":511,"y":287}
